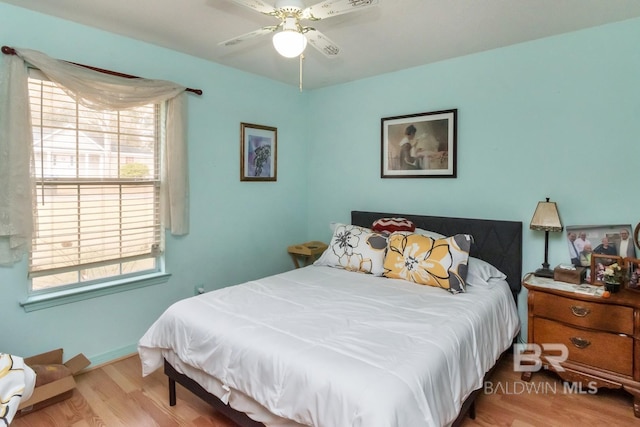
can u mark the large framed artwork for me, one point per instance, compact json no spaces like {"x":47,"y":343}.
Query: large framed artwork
{"x":258,"y":152}
{"x":420,"y":145}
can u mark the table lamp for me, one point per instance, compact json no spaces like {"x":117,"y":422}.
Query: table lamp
{"x":546,"y":218}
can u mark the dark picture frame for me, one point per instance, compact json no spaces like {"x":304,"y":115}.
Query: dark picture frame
{"x":593,"y":236}
{"x":258,"y":152}
{"x":422,"y":145}
{"x":598,"y":265}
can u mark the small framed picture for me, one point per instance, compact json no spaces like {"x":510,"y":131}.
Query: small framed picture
{"x":599,"y":264}
{"x":258,"y":152}
{"x":632,"y":266}
{"x":419,"y":145}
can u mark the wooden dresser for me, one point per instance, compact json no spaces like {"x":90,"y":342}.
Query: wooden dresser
{"x":602,"y":335}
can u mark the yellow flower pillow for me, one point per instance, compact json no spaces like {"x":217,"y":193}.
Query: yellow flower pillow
{"x":433,"y":262}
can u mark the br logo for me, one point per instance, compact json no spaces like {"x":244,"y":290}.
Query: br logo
{"x":527,"y":357}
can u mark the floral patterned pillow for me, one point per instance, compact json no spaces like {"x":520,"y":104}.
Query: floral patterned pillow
{"x":355,"y":248}
{"x":434,"y":262}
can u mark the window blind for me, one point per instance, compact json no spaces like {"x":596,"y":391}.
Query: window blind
{"x":98,"y":189}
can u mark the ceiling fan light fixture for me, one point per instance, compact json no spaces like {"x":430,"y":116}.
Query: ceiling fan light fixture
{"x":289,"y":43}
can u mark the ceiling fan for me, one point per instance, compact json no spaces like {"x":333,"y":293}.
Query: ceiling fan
{"x":291,"y":37}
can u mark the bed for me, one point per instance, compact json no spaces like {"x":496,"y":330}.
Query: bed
{"x":327,"y":346}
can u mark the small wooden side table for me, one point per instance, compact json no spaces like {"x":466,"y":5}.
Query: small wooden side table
{"x":306,"y":252}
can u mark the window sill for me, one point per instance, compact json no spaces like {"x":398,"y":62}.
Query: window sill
{"x":52,"y":299}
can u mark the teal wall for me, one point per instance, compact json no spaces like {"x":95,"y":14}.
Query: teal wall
{"x":239,"y":230}
{"x":557,"y":117}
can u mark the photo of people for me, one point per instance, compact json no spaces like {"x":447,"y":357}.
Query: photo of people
{"x":613,"y":240}
{"x":599,"y":272}
{"x":603,"y":267}
{"x":633,"y":266}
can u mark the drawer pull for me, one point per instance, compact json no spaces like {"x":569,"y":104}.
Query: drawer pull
{"x":580,"y":342}
{"x":579,"y":311}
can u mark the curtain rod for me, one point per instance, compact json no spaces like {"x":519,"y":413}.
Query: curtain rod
{"x":11,"y":51}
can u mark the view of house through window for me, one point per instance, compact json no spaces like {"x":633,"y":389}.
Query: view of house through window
{"x":98,"y":190}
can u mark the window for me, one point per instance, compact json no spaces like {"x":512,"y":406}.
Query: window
{"x":98,"y":191}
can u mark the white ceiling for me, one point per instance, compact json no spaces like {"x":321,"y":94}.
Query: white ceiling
{"x":393,"y":35}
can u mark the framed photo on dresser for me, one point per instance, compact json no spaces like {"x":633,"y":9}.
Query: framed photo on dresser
{"x":584,"y":240}
{"x":599,"y":265}
{"x":632,"y":266}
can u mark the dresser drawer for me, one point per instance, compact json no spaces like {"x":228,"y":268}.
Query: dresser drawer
{"x":602,"y":349}
{"x":604,"y":317}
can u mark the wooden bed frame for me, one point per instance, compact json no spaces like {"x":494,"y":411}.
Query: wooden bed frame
{"x":497,"y":242}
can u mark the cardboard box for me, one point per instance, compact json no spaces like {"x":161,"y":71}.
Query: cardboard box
{"x":575,"y":276}
{"x":54,"y":391}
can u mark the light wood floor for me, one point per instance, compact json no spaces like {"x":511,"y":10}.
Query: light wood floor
{"x":117,"y":395}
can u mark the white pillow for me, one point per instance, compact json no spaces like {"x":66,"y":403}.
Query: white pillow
{"x":479,"y":272}
{"x":432,"y":234}
{"x":423,"y":232}
{"x":356,"y":249}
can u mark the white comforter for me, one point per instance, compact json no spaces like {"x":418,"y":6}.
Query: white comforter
{"x":17,"y":382}
{"x":328,"y":347}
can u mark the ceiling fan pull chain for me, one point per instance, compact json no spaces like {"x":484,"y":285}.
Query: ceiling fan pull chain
{"x":301,"y":59}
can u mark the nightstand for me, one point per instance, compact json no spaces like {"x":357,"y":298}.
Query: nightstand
{"x":602,"y":335}
{"x":306,"y":252}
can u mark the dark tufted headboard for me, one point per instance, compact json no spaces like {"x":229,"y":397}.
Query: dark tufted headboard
{"x":496,"y":242}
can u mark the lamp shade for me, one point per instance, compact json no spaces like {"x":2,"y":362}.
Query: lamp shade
{"x":289,"y":43}
{"x":546,"y":217}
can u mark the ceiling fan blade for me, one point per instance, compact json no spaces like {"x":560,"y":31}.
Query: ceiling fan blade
{"x":321,"y":42}
{"x":260,"y":32}
{"x":329,"y":8}
{"x":257,"y":5}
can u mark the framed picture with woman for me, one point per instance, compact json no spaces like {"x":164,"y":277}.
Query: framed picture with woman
{"x":419,"y":145}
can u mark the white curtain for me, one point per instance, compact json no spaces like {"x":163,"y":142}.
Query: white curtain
{"x":16,"y":147}
{"x":95,"y":90}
